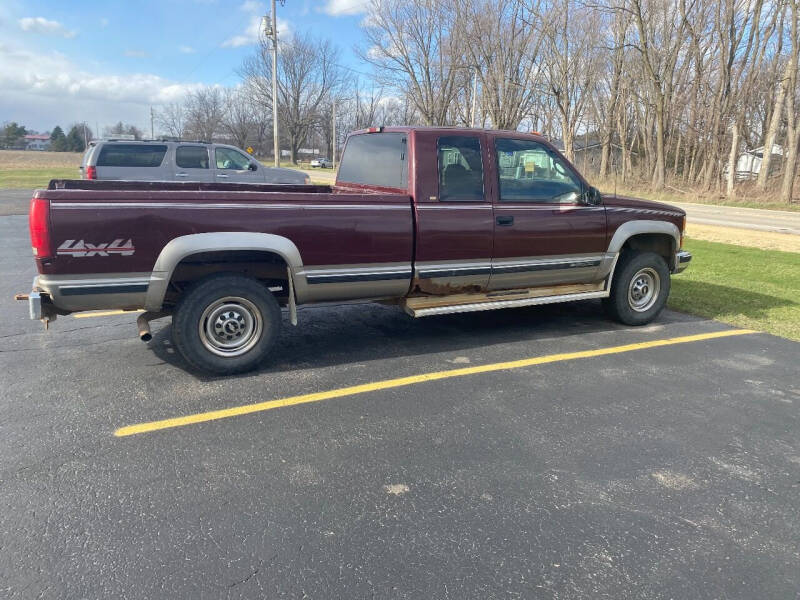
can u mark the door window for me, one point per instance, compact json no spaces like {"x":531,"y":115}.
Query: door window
{"x":228,"y":158}
{"x":191,"y":157}
{"x":460,"y":168}
{"x":530,"y":172}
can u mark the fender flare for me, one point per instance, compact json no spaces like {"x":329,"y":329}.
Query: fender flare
{"x":631,"y":228}
{"x":186,"y":245}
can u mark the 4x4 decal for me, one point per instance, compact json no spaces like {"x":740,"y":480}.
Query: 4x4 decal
{"x":81,"y":249}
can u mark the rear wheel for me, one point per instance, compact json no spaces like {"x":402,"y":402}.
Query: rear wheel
{"x":639,"y":289}
{"x":226,"y":324}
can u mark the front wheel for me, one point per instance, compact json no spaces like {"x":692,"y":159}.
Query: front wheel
{"x":639,"y":289}
{"x":226,"y":324}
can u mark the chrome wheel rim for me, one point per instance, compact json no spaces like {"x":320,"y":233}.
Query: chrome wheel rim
{"x":230,"y":326}
{"x":644,"y":289}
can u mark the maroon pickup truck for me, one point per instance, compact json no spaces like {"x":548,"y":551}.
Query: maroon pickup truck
{"x":436,"y":220}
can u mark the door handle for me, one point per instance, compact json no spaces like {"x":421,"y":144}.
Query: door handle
{"x":222,"y":175}
{"x":505,"y":220}
{"x":181,"y":174}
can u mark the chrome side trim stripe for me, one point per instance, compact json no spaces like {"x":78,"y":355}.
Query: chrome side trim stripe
{"x":453,"y":272}
{"x":547,"y":266}
{"x":354,"y":277}
{"x":196,"y":205}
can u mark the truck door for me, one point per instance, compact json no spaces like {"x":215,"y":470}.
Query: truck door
{"x":544,"y":232}
{"x":192,"y":163}
{"x":454,"y":213}
{"x":233,"y":166}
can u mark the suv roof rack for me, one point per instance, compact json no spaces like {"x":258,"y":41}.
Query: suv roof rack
{"x":160,"y":141}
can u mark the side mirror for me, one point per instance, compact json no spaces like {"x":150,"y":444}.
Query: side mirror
{"x":252,"y":166}
{"x":594,"y":197}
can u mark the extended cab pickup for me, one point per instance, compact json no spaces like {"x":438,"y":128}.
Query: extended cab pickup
{"x":437,"y":220}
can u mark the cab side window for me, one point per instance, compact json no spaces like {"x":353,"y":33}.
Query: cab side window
{"x":226,"y":158}
{"x":191,"y":157}
{"x":530,"y":172}
{"x":460,"y":169}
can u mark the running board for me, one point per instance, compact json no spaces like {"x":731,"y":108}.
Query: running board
{"x":426,"y":306}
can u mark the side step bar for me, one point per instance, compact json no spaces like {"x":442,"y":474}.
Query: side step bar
{"x":426,"y":306}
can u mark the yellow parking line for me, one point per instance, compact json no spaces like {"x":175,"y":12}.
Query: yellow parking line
{"x":405,"y":381}
{"x":104,"y":313}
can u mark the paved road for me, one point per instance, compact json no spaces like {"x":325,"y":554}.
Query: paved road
{"x":747,"y":218}
{"x":662,"y":472}
{"x":14,"y":202}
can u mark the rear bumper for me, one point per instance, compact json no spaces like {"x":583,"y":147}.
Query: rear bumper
{"x":40,"y":307}
{"x":682,"y":260}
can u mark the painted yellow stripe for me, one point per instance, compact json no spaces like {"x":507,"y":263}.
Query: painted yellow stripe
{"x":247,"y":409}
{"x":104,"y":313}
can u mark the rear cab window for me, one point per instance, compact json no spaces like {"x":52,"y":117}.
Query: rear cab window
{"x":378,"y":159}
{"x":460,"y":169}
{"x":192,"y":157}
{"x":131,"y":155}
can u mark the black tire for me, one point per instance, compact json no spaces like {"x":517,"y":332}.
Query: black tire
{"x":637,"y":275}
{"x":226,"y":324}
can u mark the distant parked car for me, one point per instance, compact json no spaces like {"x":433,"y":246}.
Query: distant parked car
{"x":179,"y":161}
{"x":322,"y":163}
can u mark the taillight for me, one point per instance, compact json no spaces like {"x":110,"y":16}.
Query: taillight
{"x":39,"y":222}
{"x":91,"y":172}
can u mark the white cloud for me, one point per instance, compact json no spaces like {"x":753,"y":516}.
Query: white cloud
{"x":186,"y":50}
{"x":104,"y":22}
{"x":45,"y":27}
{"x":252,"y":6}
{"x":135,"y":53}
{"x":337,"y":8}
{"x":253,"y":32}
{"x":42,"y":89}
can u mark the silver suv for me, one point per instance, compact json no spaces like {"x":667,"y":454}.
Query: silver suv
{"x":179,"y":161}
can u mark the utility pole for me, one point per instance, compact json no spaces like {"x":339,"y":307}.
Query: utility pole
{"x":334,"y":135}
{"x":85,"y":137}
{"x":271,"y":31}
{"x":152,"y":134}
{"x":474,"y":96}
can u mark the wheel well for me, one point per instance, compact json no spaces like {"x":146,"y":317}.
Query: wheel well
{"x":660,"y":243}
{"x":268,"y":267}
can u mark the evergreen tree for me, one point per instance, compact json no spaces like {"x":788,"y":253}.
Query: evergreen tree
{"x":11,"y":134}
{"x":58,"y":141}
{"x":74,"y":141}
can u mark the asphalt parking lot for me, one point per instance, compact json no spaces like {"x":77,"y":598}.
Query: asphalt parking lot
{"x":609,"y":465}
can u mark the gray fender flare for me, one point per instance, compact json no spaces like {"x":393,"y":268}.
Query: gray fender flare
{"x":631,"y":228}
{"x":186,"y":245}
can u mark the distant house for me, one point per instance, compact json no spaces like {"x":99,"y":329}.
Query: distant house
{"x":36,"y":141}
{"x":748,"y":165}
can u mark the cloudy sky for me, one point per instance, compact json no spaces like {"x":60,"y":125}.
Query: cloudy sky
{"x":102,"y":62}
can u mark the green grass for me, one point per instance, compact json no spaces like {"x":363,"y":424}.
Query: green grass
{"x":35,"y":178}
{"x":746,"y":287}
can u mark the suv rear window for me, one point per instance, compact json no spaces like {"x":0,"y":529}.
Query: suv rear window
{"x":131,"y":155}
{"x":375,"y":159}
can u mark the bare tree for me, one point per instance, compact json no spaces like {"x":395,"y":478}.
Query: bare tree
{"x":205,"y":111}
{"x":414,"y":47}
{"x":241,"y":115}
{"x":171,"y":119}
{"x":308,"y":74}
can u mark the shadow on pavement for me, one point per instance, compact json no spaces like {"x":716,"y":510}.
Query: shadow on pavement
{"x":330,"y":336}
